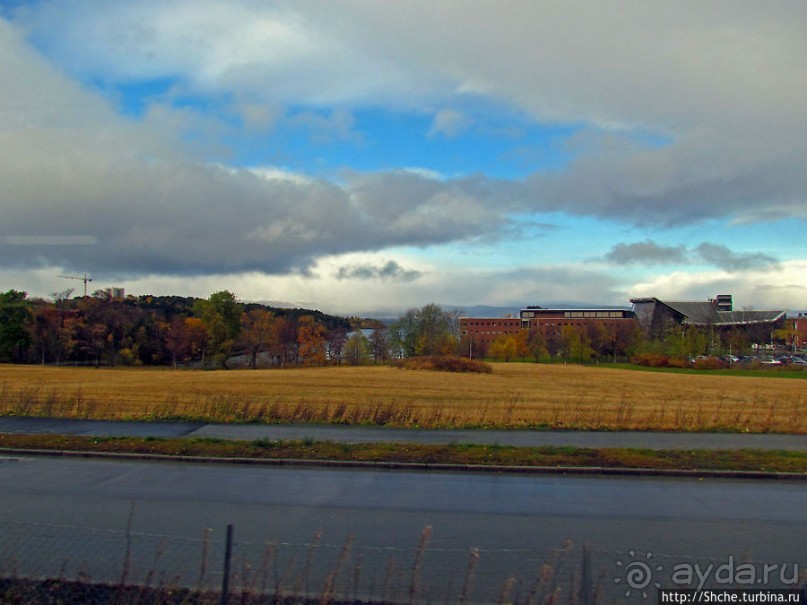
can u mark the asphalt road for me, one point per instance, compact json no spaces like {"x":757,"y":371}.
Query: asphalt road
{"x":249,"y":432}
{"x":62,"y":516}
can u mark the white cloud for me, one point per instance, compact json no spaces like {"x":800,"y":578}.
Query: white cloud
{"x":784,"y":288}
{"x":277,"y":52}
{"x":274,"y":173}
{"x":721,"y":82}
{"x":449,"y":123}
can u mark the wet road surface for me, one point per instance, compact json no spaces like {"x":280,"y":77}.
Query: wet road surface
{"x":58,"y":514}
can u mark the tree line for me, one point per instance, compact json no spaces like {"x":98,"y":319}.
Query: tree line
{"x":165,"y":330}
{"x":216,"y":332}
{"x":221,"y":332}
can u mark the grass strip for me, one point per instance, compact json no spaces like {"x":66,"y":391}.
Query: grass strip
{"x":461,"y":454}
{"x":783,"y":371}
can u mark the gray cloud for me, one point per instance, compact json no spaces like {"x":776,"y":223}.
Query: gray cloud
{"x":165,"y":217}
{"x":693,"y":178}
{"x":390,"y":270}
{"x":72,"y":169}
{"x":646,"y":253}
{"x":722,"y":257}
{"x":651,"y":253}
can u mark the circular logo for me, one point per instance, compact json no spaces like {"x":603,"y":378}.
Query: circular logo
{"x":637,"y":574}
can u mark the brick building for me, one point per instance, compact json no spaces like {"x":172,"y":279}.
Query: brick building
{"x":798,"y":326}
{"x":482,"y":331}
{"x":552,"y":321}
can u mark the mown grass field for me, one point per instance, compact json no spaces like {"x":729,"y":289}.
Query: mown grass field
{"x":513,"y":396}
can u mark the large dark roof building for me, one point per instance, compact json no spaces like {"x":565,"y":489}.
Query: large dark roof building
{"x":655,"y":316}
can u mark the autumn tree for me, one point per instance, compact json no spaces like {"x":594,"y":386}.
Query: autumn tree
{"x":521,"y":340}
{"x":288,"y":346}
{"x":379,"y":344}
{"x":311,"y":340}
{"x":437,"y":331}
{"x":357,"y":348}
{"x":176,"y":341}
{"x":503,"y":348}
{"x":576,"y":344}
{"x":403,"y":334}
{"x":260,"y":333}
{"x":554,"y":342}
{"x":426,"y":331}
{"x":536,"y":343}
{"x":46,"y":332}
{"x":14,"y":315}
{"x":335,"y":340}
{"x":221,"y":314}
{"x":197,"y":338}
{"x":599,"y":338}
{"x":627,"y":338}
{"x":186,"y":339}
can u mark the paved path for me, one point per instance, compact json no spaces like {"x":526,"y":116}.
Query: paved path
{"x":345,"y":434}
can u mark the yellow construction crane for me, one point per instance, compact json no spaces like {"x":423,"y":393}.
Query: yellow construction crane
{"x":85,"y":279}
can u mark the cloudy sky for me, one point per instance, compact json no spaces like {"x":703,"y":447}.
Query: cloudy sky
{"x":366,"y":156}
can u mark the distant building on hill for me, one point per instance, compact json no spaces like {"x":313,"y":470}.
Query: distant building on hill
{"x":115,"y":293}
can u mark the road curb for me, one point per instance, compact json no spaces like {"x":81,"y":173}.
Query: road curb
{"x":420,"y":466}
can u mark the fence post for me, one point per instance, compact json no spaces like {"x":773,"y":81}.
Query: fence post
{"x":585,"y":578}
{"x":228,"y":553}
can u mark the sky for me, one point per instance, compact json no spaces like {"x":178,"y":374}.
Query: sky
{"x":358,"y":156}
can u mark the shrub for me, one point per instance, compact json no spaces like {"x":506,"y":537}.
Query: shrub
{"x":709,"y":363}
{"x":651,"y":360}
{"x":678,"y":362}
{"x":444,"y":363}
{"x":657,"y":360}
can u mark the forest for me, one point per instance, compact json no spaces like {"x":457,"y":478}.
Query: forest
{"x":161,"y":330}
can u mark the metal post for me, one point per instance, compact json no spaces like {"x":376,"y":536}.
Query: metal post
{"x":585,"y":578}
{"x":228,"y":553}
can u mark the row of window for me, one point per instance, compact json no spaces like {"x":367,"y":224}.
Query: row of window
{"x":490,"y":324}
{"x":578,"y":314}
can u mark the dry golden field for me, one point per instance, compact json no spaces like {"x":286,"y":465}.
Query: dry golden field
{"x":513,"y":396}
